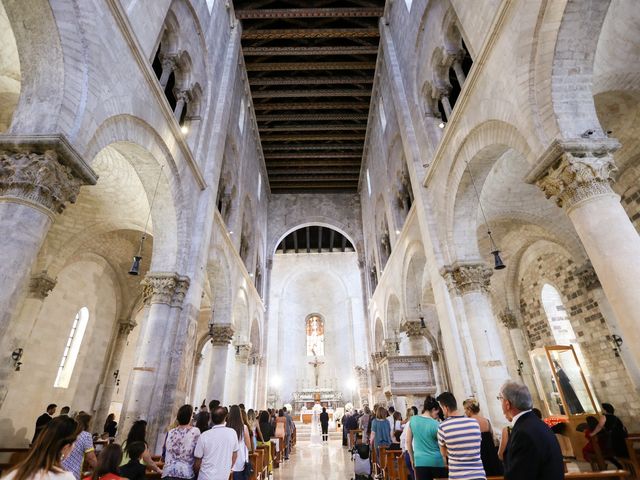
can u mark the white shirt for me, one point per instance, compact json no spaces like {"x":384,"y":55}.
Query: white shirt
{"x":391,"y":422}
{"x":215,"y":447}
{"x":243,"y":453}
{"x":42,"y":475}
{"x":516,"y":417}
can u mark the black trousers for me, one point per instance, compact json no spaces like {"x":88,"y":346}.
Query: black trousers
{"x":429,"y":473}
{"x":325,"y":431}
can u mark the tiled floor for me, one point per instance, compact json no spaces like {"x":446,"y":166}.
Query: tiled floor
{"x":310,"y":462}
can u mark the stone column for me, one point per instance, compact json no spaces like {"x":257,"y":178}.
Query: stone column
{"x":415,"y":333}
{"x":590,"y":282}
{"x":261,"y":372}
{"x":520,"y":346}
{"x":252,"y":378}
{"x":160,"y":293}
{"x":38,"y":176}
{"x":471,"y":282}
{"x":168,"y":66}
{"x":183,"y":97}
{"x":443,"y":96}
{"x":391,"y":347}
{"x":39,"y":287}
{"x":438,"y":372}
{"x":111,"y":380}
{"x":220,"y":340}
{"x":457,"y":68}
{"x":243,"y":350}
{"x":579,"y":174}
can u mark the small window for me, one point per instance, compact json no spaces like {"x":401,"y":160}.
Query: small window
{"x":408,"y":4}
{"x":72,"y":348}
{"x":368,"y":182}
{"x":210,"y":5}
{"x":241,"y":117}
{"x":315,"y":336}
{"x":259,"y":186}
{"x":383,"y":117}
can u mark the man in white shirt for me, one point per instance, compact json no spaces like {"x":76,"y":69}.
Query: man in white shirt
{"x":217,"y":449}
{"x":391,"y":421}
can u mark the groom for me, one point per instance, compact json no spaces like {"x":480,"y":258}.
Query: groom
{"x":324,"y":423}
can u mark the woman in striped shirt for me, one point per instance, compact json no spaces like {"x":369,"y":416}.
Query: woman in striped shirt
{"x":459,"y":439}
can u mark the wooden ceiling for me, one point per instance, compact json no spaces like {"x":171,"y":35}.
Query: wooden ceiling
{"x":311,"y":65}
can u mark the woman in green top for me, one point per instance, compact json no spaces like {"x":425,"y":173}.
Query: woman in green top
{"x":422,"y":443}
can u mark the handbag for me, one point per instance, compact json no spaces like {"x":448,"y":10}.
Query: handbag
{"x":247,"y":470}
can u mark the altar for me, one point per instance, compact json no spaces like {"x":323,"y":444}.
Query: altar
{"x":306,"y":415}
{"x":306,"y":399}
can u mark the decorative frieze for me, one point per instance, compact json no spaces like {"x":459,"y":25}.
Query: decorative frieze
{"x":43,"y":171}
{"x":576,"y":170}
{"x":508,"y":319}
{"x":221,"y":335}
{"x":165,"y":287}
{"x":40,"y":285}
{"x":466,"y":278}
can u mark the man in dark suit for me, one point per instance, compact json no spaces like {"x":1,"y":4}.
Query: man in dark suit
{"x":533,"y":452}
{"x":43,"y":420}
{"x":324,"y":423}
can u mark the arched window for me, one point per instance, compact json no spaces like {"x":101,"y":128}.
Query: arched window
{"x":72,"y":348}
{"x":556,"y":313}
{"x":315,"y":336}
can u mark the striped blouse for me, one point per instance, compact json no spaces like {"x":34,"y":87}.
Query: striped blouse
{"x":461,"y":436}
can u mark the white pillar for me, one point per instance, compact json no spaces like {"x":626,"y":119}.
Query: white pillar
{"x":168,"y":66}
{"x":471,"y":282}
{"x":578,"y":173}
{"x":182,"y":99}
{"x":220,"y":340}
{"x":38,"y":177}
{"x":241,"y":381}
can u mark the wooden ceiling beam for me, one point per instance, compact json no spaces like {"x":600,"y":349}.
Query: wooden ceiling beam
{"x":300,"y":51}
{"x":311,"y":117}
{"x":307,"y":33}
{"x":297,"y":156}
{"x":323,"y":146}
{"x":309,"y":81}
{"x":315,"y":178}
{"x":311,"y":138}
{"x":310,"y":106}
{"x":324,"y":93}
{"x":314,"y":128}
{"x":306,"y":66}
{"x":319,"y":164}
{"x":276,"y":13}
{"x":274,"y":174}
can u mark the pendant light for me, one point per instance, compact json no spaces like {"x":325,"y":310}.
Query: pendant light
{"x":135,"y":266}
{"x":498,"y":263}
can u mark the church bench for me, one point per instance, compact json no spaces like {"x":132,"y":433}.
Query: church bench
{"x":355,"y":437}
{"x":262,"y":461}
{"x":275,"y":456}
{"x":633,"y":462}
{"x":11,"y":457}
{"x":253,"y":458}
{"x":395,"y":467}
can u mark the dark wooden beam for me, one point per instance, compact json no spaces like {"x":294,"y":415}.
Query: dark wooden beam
{"x":311,"y":138}
{"x":316,"y":170}
{"x":301,"y":51}
{"x":314,"y":128}
{"x":315,"y":179}
{"x":311,"y":106}
{"x":322,"y":146}
{"x":311,"y":117}
{"x":275,"y":13}
{"x":303,"y":186}
{"x":319,"y":239}
{"x":317,"y":164}
{"x":308,"y":240}
{"x":344,"y":243}
{"x":307,"y":33}
{"x":295,"y":241}
{"x":331,"y":237}
{"x":296,"y":156}
{"x":324,"y":93}
{"x":310,"y":81}
{"x":284,"y":245}
{"x":306,"y":66}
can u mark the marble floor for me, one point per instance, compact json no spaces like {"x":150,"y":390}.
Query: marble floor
{"x":311,"y":462}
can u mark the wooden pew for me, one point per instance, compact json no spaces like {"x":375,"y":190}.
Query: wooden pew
{"x":607,"y":474}
{"x":11,"y":457}
{"x":355,"y":437}
{"x":253,"y":458}
{"x":633,"y":462}
{"x":275,"y":456}
{"x":394,"y":466}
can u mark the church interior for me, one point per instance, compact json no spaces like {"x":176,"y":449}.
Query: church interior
{"x":338,"y":203}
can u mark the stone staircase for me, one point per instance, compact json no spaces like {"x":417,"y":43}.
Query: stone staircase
{"x":304,"y":432}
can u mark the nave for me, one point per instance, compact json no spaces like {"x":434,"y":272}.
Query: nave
{"x":312,"y":462}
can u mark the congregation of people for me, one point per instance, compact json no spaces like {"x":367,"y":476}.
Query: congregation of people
{"x":213,"y":443}
{"x":449,"y":440}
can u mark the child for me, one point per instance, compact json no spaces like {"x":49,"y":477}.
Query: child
{"x":134,"y":469}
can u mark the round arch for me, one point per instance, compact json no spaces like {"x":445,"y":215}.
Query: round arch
{"x":321,"y":223}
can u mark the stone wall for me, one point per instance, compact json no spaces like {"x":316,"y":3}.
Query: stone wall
{"x":607,"y":373}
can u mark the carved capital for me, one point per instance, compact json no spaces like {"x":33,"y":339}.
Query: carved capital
{"x":435,"y":355}
{"x":40,"y":285}
{"x":588,"y":277}
{"x":465,"y":278}
{"x":377,"y":356}
{"x":576,"y":170}
{"x":390,"y":347}
{"x":184,"y":95}
{"x":125,"y":328}
{"x":44,"y":171}
{"x":221,"y":335}
{"x":413,"y":328}
{"x":243,"y":351}
{"x":508,"y":319}
{"x":169,"y":61}
{"x":165,"y":287}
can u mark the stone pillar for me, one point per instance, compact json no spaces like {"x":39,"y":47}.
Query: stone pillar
{"x":579,"y":173}
{"x":415,"y":333}
{"x":220,"y":340}
{"x":243,"y":350}
{"x":391,"y":347}
{"x":590,"y":282}
{"x":112,"y":374}
{"x":457,"y":67}
{"x":38,"y":176}
{"x":183,"y":97}
{"x":443,"y":96}
{"x":163,"y":293}
{"x":261,"y":373}
{"x":521,"y":349}
{"x":168,"y":66}
{"x":438,"y":372}
{"x":471,"y":282}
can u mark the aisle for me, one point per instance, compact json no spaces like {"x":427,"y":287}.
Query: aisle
{"x":307,"y":462}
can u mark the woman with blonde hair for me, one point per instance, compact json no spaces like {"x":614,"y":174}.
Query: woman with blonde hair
{"x":488,"y":451}
{"x":52,"y":445}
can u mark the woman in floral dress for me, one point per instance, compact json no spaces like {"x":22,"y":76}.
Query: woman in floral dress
{"x":180,"y":444}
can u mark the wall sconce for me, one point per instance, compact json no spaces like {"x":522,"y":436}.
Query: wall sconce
{"x":16,"y":355}
{"x":237,"y":350}
{"x":421,"y":317}
{"x":617,"y":343}
{"x":116,"y":377}
{"x":520,"y":368}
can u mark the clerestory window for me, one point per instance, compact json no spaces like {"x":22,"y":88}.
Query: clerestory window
{"x":72,"y":348}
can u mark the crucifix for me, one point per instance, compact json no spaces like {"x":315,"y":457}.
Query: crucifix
{"x":316,"y":366}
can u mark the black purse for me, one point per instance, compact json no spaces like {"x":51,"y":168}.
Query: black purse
{"x":247,"y":470}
